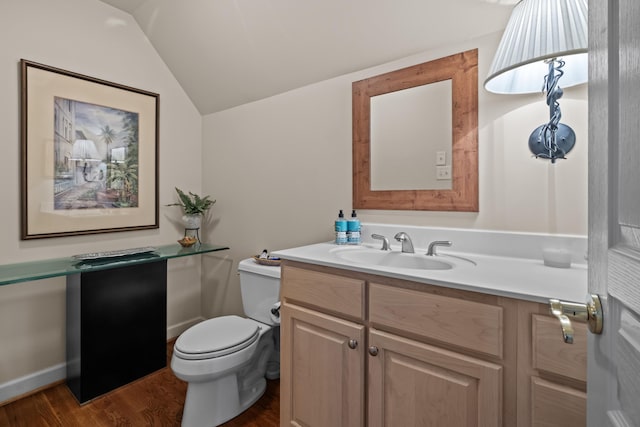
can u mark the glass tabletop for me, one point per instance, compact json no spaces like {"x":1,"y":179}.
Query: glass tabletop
{"x":43,"y":269}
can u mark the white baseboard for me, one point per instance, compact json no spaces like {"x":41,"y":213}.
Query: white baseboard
{"x":34,"y":381}
{"x":28,"y":383}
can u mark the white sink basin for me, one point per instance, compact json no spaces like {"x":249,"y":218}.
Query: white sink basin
{"x":391,"y":259}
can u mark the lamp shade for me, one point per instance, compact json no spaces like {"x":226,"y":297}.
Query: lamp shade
{"x":85,"y":149}
{"x":539,"y":30}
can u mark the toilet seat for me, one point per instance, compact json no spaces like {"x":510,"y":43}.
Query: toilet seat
{"x":216,"y":337}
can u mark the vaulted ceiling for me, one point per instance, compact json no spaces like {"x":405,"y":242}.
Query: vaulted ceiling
{"x":226,"y":53}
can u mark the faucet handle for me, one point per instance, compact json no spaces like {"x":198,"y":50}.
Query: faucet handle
{"x":431,"y":251}
{"x":385,"y":241}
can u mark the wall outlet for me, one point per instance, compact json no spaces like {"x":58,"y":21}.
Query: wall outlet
{"x":441,"y":158}
{"x":443,"y":173}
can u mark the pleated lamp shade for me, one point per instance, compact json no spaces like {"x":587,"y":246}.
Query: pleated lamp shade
{"x":85,"y":150}
{"x":539,"y":30}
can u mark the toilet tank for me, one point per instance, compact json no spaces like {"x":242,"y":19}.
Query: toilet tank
{"x":260,"y":287}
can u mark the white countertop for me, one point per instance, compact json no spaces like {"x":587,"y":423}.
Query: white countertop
{"x":514,"y":277}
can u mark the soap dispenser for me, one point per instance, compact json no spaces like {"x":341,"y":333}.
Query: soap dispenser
{"x":341,"y":229}
{"x":353,"y":229}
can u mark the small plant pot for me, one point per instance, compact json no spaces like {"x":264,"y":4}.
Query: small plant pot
{"x":192,"y":221}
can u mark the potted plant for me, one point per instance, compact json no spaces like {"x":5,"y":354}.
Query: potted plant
{"x":193,"y":206}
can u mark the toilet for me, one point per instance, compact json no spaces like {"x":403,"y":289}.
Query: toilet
{"x":226,"y":360}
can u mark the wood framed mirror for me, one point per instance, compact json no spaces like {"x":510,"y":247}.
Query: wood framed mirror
{"x":461,"y":70}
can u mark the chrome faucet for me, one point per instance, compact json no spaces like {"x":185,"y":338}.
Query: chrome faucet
{"x":407,"y":245}
{"x":431,"y":250}
{"x":385,"y":241}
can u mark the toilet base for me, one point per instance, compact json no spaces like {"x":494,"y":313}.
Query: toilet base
{"x":215,"y":398}
{"x":212,"y":403}
{"x":273,"y":365}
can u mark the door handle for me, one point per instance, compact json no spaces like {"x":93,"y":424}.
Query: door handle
{"x":591,"y":312}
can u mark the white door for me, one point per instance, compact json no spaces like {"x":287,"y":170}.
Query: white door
{"x":614,"y":211}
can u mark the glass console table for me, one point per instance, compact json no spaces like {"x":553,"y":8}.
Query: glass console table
{"x":116,"y":314}
{"x":44,"y":269}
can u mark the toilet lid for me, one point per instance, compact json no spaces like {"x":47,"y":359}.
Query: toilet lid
{"x":217,"y":337}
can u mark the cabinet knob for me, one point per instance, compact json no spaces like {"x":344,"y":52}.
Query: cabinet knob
{"x":373,"y":350}
{"x":353,"y":343}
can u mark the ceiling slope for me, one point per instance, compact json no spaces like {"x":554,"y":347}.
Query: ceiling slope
{"x":226,"y":53}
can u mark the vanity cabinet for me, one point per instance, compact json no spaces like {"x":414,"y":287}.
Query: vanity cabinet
{"x":365,"y":350}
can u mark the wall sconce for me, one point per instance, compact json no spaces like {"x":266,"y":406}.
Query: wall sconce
{"x":543,"y":38}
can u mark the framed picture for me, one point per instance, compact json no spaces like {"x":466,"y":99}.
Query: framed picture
{"x":89,"y":155}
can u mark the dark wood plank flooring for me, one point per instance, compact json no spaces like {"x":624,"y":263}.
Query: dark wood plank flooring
{"x":155,"y":400}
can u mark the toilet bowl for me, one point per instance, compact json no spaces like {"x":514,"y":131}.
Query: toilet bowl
{"x":227,"y":359}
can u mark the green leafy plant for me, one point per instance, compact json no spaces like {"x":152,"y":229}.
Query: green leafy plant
{"x":192,"y":204}
{"x":124,"y":177}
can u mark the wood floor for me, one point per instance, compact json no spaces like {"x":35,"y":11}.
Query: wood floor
{"x":155,"y":400}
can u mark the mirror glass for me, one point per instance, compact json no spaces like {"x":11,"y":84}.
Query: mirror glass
{"x":415,"y":137}
{"x":411,"y":138}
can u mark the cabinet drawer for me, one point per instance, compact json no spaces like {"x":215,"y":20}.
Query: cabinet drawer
{"x":551,"y":354}
{"x":328,"y":292}
{"x":466,"y":324}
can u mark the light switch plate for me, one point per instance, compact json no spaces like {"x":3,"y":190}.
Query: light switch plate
{"x":443,"y":173}
{"x":441,"y":158}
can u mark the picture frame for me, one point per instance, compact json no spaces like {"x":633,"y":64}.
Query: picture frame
{"x":89,"y":154}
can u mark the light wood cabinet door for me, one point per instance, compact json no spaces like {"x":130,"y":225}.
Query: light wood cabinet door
{"x":416,"y":384}
{"x":554,"y":405}
{"x":322,"y":383}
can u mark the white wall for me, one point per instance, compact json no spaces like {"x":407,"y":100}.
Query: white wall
{"x":87,"y":37}
{"x":281,"y":169}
